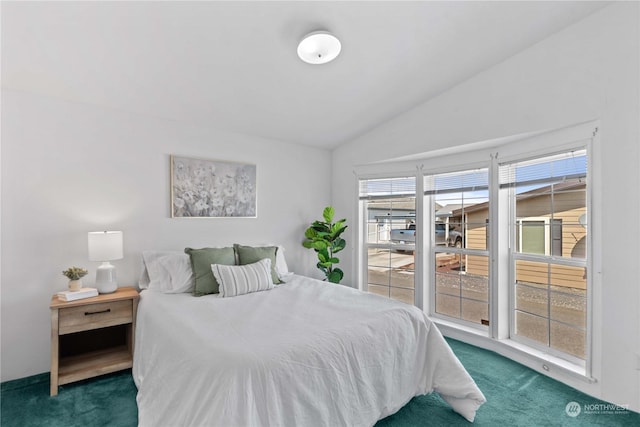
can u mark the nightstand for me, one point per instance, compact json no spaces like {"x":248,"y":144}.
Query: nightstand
{"x":92,"y":336}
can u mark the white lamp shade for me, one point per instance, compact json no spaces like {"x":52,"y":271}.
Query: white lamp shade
{"x":105,"y":245}
{"x":319,"y":47}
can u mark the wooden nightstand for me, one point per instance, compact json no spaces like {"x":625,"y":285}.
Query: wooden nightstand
{"x":92,"y":336}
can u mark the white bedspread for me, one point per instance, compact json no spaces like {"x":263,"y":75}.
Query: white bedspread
{"x":306,"y":353}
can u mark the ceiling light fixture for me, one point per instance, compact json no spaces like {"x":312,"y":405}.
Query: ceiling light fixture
{"x":319,"y":47}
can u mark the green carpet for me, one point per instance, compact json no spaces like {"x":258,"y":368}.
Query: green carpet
{"x":516,"y":396}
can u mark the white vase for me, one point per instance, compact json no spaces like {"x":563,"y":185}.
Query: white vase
{"x":75,"y":285}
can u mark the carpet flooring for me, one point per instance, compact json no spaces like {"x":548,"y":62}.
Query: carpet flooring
{"x":516,"y":396}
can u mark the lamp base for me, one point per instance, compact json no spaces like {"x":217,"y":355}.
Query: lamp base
{"x":106,"y":278}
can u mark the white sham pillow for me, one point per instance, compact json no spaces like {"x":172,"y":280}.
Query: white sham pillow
{"x":281,"y":263}
{"x":168,"y":272}
{"x":237,"y":280}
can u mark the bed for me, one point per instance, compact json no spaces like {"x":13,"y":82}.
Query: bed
{"x":303,"y":353}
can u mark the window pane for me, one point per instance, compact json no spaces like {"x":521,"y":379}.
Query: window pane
{"x":550,"y":204}
{"x":568,"y":277}
{"x":475,"y":311}
{"x":461,"y":201}
{"x":532,"y":299}
{"x":568,"y":339}
{"x":475,"y":273}
{"x":391,"y":274}
{"x":552,"y":298}
{"x":447,"y":274}
{"x":569,"y":308}
{"x":390,"y":212}
{"x":532,"y":273}
{"x":568,"y":288}
{"x":385,"y":215}
{"x":533,"y":327}
{"x":404,"y":295}
{"x":462,"y":286}
{"x":402,"y":275}
{"x":448,"y":305}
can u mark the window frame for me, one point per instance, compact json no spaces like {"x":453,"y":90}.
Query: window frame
{"x":364,"y":245}
{"x":515,"y":255}
{"x":433,"y":248}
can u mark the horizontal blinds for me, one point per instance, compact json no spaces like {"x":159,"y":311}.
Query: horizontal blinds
{"x":387,"y":188}
{"x":549,"y":170}
{"x":457,"y":182}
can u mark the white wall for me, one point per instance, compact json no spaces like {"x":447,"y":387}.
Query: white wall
{"x":68,"y":169}
{"x":589,"y":71}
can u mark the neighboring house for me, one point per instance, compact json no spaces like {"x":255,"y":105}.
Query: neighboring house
{"x":537,"y":232}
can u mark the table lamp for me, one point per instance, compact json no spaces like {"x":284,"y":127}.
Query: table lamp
{"x":105,"y":246}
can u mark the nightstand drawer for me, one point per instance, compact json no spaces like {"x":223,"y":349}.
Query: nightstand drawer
{"x":94,"y":316}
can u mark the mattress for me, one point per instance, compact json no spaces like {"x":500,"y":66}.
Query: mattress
{"x":305,"y":353}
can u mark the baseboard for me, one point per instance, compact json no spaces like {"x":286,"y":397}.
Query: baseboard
{"x":24,"y":382}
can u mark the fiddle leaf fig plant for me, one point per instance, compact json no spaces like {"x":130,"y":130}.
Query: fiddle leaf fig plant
{"x":324,"y":238}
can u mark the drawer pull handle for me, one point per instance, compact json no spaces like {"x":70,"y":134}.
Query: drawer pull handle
{"x":89,"y":313}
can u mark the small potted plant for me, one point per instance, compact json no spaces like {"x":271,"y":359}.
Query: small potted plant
{"x":74,"y":274}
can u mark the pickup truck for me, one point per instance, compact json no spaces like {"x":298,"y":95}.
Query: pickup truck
{"x":408,"y":235}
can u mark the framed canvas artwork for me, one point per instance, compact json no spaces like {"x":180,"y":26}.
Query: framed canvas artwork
{"x":203,"y":188}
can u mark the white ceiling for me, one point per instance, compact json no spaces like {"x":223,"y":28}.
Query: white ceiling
{"x":233,"y":65}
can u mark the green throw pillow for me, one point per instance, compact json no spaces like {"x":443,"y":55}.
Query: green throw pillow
{"x":251,"y":254}
{"x":201,"y":260}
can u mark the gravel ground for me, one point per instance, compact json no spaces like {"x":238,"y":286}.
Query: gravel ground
{"x":466,"y":296}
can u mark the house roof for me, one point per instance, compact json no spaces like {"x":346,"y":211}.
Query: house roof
{"x":537,"y":192}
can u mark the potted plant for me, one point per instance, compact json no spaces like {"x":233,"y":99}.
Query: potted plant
{"x":74,"y":274}
{"x":324,"y":238}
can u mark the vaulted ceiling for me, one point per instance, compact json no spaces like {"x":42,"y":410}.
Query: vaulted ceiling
{"x":233,"y":65}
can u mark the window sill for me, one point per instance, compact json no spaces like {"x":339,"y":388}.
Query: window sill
{"x":552,"y":366}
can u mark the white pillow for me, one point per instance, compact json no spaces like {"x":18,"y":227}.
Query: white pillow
{"x":168,"y":272}
{"x":237,"y":280}
{"x":282,"y":269}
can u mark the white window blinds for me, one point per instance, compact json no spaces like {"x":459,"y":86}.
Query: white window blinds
{"x":555,"y":169}
{"x":387,"y":188}
{"x":457,"y":182}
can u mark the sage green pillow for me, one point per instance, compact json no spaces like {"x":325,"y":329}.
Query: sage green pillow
{"x":251,"y":254}
{"x":201,"y":260}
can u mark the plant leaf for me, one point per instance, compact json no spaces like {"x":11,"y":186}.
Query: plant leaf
{"x":320,"y":245}
{"x":335,"y":276}
{"x":338,"y":245}
{"x":328,"y":213}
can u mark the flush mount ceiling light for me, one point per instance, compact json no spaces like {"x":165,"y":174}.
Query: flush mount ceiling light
{"x":319,"y":47}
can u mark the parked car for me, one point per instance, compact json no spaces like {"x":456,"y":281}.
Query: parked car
{"x":407,"y":235}
{"x":455,"y":238}
{"x":404,"y":235}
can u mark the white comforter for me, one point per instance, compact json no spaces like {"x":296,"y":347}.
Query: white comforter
{"x":306,"y":353}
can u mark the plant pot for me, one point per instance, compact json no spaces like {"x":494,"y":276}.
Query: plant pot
{"x":75,"y":285}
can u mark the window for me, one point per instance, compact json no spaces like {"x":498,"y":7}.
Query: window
{"x":547,"y":197}
{"x":501,"y":237}
{"x":389,"y":216}
{"x":459,"y":254}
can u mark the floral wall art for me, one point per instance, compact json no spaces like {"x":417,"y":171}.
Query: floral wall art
{"x":212,"y":189}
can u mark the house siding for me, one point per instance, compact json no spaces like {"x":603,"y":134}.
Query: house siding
{"x":568,"y":206}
